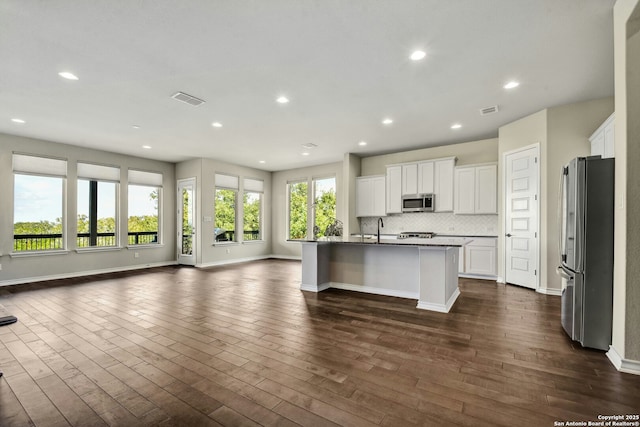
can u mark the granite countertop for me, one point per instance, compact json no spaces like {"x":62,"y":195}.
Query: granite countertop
{"x":393,"y":241}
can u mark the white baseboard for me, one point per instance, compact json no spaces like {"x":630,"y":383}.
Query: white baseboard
{"x":23,"y":280}
{"x":314,"y":288}
{"x":233,"y":261}
{"x":550,"y":291}
{"x":374,"y":290}
{"x":293,"y":257}
{"x":442,"y":308}
{"x":500,"y":279}
{"x":477,"y":276}
{"x":623,"y":365}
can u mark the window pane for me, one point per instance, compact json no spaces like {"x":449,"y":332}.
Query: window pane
{"x":298,"y":210}
{"x":324,"y":205}
{"x":252,"y":218}
{"x":143,"y":215}
{"x":37,"y":213}
{"x":103,"y":233}
{"x":225,"y":208}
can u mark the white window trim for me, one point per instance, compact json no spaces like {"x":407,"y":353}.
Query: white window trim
{"x":160,"y":219}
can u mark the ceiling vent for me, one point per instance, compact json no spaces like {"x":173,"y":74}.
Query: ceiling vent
{"x":309,"y":145}
{"x":187,"y":99}
{"x":488,"y":110}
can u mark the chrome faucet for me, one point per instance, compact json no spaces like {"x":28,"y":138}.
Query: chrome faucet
{"x":380,"y":224}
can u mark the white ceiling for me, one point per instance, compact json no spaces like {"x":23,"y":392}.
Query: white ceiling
{"x":344,"y":64}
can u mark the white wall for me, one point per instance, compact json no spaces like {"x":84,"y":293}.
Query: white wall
{"x":482,"y":151}
{"x":209,"y":253}
{"x":562,"y":134}
{"x":39,"y":267}
{"x":626,"y":287}
{"x":280,"y":246}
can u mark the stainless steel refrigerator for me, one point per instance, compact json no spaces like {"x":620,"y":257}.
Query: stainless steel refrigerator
{"x":586,"y":248}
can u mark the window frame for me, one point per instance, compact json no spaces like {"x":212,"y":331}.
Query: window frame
{"x":313,"y":199}
{"x":260,"y":216}
{"x":57,"y":169}
{"x":94,"y":172}
{"x":159,"y":240}
{"x":288,"y":216}
{"x":235,"y":216}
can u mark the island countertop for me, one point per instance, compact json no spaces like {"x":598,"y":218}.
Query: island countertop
{"x":412,"y":241}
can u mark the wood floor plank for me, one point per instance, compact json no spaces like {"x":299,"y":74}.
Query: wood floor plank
{"x":242,"y":345}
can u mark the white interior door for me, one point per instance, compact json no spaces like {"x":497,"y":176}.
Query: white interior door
{"x":521,"y":217}
{"x":186,"y":221}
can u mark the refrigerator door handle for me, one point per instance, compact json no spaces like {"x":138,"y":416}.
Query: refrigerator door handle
{"x":564,"y":273}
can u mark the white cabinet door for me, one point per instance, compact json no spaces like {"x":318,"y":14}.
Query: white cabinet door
{"x":425,"y":177}
{"x":609,"y":140}
{"x":379,"y":199}
{"x":443,"y":184}
{"x":603,"y":139}
{"x":410,"y":179}
{"x":480,"y":256}
{"x":370,"y":196}
{"x":464,"y":199}
{"x":486,"y":189}
{"x":394,"y":189}
{"x":364,"y":196}
{"x":597,"y":144}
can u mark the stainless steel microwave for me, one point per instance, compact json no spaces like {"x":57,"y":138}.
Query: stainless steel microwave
{"x":418,"y":203}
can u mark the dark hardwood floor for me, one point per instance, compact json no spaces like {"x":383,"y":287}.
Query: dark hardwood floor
{"x":241,"y":345}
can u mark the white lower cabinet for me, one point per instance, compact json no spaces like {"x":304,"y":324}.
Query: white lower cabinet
{"x":480,"y":257}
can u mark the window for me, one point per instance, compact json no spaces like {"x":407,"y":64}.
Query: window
{"x":225,"y":208}
{"x":97,"y":205}
{"x":324,"y":204}
{"x":297,"y":210}
{"x":252,"y":210}
{"x":145,"y":193}
{"x":38,"y":215}
{"x":323,"y":207}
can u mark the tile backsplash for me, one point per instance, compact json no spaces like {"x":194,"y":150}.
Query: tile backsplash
{"x":440,"y":223}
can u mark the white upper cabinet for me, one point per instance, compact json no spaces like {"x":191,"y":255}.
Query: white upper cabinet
{"x":486,"y":189}
{"x":394,"y":189}
{"x":370,"y":196}
{"x":476,"y":189}
{"x":425,"y":177}
{"x":602,"y":140}
{"x":443,"y":184}
{"x":465,"y":182}
{"x":410,"y":179}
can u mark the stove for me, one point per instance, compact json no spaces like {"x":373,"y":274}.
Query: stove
{"x":416,"y":234}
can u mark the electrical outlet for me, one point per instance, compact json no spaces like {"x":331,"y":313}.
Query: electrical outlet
{"x":136,"y":255}
{"x":228,"y":250}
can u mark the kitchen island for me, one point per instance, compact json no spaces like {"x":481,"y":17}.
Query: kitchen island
{"x":422,"y":269}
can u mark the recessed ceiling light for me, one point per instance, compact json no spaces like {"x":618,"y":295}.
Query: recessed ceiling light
{"x":417,"y":55}
{"x":146,"y":147}
{"x":306,"y":153}
{"x":135,"y":126}
{"x":282,"y":100}
{"x":511,"y":85}
{"x":362,"y":143}
{"x":262,"y":162}
{"x":67,"y":75}
{"x":387,"y":121}
{"x":216,"y":124}
{"x":19,"y":121}
{"x":456,"y":126}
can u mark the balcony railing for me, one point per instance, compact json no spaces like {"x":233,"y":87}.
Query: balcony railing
{"x":229,"y":235}
{"x":43,"y":242}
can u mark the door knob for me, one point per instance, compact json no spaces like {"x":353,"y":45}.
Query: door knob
{"x":508,"y":234}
